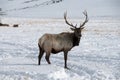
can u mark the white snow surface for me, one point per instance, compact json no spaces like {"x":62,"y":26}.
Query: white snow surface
{"x":96,"y":58}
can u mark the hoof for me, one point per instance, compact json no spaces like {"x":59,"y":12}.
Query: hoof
{"x":49,"y":62}
{"x":67,"y":68}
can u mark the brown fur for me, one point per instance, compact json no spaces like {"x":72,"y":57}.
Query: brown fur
{"x":58,"y":42}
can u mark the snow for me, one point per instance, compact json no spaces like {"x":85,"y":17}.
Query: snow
{"x":96,"y":58}
{"x":48,"y":9}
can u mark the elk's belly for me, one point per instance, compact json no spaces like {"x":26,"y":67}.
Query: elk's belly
{"x":55,"y":51}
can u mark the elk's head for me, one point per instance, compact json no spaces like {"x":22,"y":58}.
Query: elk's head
{"x":77,"y":30}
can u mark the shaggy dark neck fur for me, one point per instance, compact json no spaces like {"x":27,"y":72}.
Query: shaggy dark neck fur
{"x":76,"y":40}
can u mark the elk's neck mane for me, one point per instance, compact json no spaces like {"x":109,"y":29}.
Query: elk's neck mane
{"x":76,"y":40}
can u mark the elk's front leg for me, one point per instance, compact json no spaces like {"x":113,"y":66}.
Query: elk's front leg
{"x":65,"y":58}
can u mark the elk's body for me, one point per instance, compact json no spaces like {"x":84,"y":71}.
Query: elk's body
{"x":54,"y":43}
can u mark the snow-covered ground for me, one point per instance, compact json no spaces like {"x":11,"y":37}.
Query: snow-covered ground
{"x":56,"y":8}
{"x":96,"y":58}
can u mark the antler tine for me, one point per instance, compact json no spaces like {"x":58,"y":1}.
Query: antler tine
{"x":70,"y":24}
{"x":85,"y":13}
{"x":86,"y":19}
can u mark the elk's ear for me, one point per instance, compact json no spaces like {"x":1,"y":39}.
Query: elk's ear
{"x":72,"y":29}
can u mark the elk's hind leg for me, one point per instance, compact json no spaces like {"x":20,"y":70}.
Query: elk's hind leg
{"x":41,"y":52}
{"x":47,"y":57}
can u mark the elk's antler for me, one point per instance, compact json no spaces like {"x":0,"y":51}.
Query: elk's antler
{"x":70,"y":24}
{"x":86,"y":20}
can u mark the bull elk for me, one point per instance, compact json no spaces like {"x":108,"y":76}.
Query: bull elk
{"x":65,"y":41}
